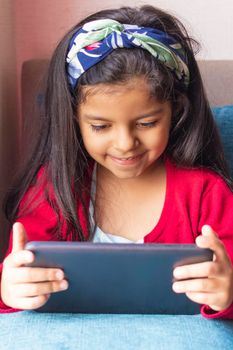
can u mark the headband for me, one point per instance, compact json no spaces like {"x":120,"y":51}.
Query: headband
{"x":97,"y":39}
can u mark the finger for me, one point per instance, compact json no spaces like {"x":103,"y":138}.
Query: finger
{"x":36,"y":289}
{"x":19,"y":237}
{"x":211,"y":299}
{"x":18,"y":258}
{"x":203,"y":298}
{"x":34,"y":274}
{"x":204,"y":269}
{"x":206,"y":285}
{"x":30,"y":303}
{"x":209,"y":239}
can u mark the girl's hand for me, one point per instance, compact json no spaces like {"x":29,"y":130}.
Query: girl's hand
{"x":27,"y":287}
{"x":212,"y":282}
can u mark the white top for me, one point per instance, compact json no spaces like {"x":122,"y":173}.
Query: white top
{"x":99,"y":235}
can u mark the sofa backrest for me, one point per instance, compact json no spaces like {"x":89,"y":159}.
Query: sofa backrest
{"x":218,"y":81}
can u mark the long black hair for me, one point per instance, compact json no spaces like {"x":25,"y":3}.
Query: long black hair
{"x":59,"y":150}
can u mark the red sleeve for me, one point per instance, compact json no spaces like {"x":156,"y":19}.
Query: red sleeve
{"x":217,"y":211}
{"x":40,"y":219}
{"x":39,"y":222}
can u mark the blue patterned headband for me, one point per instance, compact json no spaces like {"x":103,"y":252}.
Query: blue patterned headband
{"x":97,"y":39}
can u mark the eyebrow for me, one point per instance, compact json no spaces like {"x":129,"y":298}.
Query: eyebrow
{"x":147,"y":115}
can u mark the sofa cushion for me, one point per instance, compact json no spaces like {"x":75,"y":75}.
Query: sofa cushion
{"x":224,"y":119}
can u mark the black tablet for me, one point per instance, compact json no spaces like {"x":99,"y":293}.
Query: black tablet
{"x":118,"y":278}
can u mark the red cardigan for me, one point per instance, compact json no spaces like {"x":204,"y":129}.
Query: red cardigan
{"x":194,"y":197}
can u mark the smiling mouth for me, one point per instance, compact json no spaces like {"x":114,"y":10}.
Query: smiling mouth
{"x":127,"y":158}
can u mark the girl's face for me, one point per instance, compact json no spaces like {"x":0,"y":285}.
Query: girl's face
{"x":124,"y":129}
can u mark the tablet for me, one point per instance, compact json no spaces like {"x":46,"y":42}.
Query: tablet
{"x":118,"y":278}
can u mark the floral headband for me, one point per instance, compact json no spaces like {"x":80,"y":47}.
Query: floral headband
{"x":97,"y":39}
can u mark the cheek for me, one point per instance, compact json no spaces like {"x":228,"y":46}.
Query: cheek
{"x":93,"y":143}
{"x":165,"y":132}
{"x":86,"y":136}
{"x":159,"y":139}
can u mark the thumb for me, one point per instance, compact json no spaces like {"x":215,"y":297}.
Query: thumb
{"x":207,"y":231}
{"x":19,"y":237}
{"x":209,"y":239}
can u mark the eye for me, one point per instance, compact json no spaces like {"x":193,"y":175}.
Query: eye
{"x":98,"y":128}
{"x":148,"y":124}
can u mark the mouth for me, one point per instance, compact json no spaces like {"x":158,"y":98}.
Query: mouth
{"x":127,"y":160}
{"x":121,"y":158}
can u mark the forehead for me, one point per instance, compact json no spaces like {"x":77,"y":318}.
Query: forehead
{"x":134,"y":87}
{"x":121,"y":102}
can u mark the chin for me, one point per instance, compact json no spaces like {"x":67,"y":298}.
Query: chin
{"x":126,"y":174}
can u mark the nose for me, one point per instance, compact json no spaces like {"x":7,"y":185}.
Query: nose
{"x":125,"y":140}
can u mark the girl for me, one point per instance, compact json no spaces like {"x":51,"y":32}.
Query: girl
{"x":127,"y":152}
